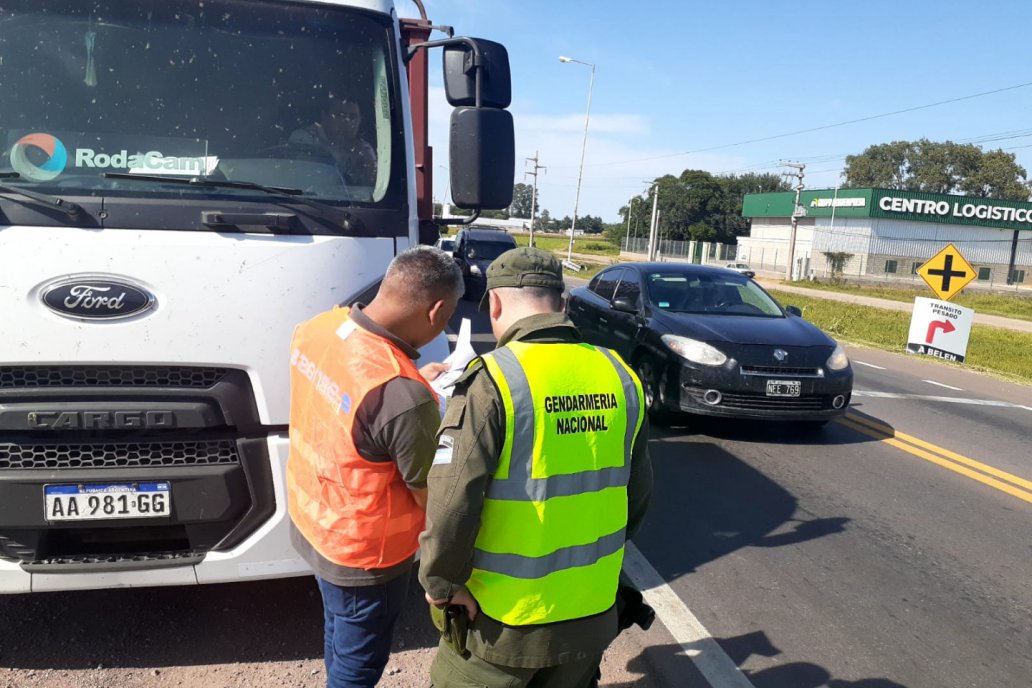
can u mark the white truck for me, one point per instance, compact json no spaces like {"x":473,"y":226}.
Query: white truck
{"x":161,"y":233}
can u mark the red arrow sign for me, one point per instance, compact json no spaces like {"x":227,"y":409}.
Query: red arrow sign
{"x":945,"y":325}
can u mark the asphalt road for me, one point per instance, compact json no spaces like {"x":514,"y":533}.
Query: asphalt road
{"x":892,"y":549}
{"x":838,"y":559}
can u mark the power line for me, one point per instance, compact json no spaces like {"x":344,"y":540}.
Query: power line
{"x":813,"y":129}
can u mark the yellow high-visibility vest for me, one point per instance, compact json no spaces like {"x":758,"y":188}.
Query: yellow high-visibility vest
{"x":552,"y":532}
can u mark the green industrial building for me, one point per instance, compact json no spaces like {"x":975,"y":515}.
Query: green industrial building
{"x":887,"y":234}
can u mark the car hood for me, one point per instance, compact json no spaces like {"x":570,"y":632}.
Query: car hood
{"x":743,"y":329}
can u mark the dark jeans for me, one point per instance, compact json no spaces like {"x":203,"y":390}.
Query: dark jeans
{"x":359,"y":628}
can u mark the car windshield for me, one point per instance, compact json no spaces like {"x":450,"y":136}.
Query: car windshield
{"x":447,"y":244}
{"x":280,"y":94}
{"x":487,"y":250}
{"x":710,"y":294}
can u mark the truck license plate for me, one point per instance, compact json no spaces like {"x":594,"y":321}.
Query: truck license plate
{"x":96,"y":502}
{"x":783,"y":388}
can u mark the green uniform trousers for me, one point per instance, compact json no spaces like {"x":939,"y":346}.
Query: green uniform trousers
{"x":449,"y":670}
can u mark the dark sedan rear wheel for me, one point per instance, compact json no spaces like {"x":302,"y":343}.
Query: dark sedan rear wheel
{"x":658,"y":414}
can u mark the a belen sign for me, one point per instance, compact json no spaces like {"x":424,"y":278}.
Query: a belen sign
{"x":939,"y":329}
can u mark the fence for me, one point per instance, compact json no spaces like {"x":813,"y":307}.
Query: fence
{"x":690,"y":251}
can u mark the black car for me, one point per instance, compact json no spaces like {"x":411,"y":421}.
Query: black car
{"x":475,"y":249}
{"x":710,"y":341}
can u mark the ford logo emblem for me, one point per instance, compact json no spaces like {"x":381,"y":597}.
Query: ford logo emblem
{"x":96,"y":298}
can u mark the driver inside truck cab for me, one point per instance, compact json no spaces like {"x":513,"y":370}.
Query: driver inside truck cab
{"x":337,"y":132}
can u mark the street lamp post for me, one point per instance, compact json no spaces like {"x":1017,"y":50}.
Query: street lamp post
{"x":584,"y":145}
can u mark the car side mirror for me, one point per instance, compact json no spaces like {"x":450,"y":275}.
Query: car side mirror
{"x":793,"y":310}
{"x":625,"y":304}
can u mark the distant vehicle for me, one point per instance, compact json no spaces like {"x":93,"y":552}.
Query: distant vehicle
{"x":475,"y":249}
{"x":742,"y":268}
{"x":708,"y":341}
{"x":446,"y":244}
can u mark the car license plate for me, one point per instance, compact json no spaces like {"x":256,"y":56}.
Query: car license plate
{"x":107,"y":501}
{"x":783,"y":388}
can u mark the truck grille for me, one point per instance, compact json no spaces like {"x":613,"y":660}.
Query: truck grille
{"x":20,"y":377}
{"x":117,"y":455}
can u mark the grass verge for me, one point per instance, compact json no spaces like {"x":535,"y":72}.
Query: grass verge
{"x":595,"y":246}
{"x":1006,"y":305}
{"x":990,"y":349}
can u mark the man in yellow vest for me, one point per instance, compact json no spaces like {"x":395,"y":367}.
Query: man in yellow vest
{"x":541,"y":475}
{"x":363,"y":423}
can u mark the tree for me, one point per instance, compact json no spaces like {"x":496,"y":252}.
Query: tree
{"x":697,"y":205}
{"x":999,"y":176}
{"x":938,"y":167}
{"x":544,"y":222}
{"x":521,"y":201}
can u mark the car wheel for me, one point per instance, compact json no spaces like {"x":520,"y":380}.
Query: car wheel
{"x":658,"y":414}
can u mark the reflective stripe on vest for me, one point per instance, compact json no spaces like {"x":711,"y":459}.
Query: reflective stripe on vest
{"x":552,"y":532}
{"x":353,"y":511}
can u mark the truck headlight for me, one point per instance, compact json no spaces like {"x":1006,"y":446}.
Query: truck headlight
{"x":693,"y":350}
{"x":474,"y":269}
{"x":838,"y":359}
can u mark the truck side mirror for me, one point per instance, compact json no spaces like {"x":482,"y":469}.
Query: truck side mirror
{"x":482,"y":157}
{"x":460,"y":74}
{"x":794,"y":310}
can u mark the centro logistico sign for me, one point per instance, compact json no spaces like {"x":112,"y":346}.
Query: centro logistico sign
{"x":964,"y":210}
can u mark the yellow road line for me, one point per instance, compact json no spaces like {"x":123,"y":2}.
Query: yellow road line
{"x":884,"y":434}
{"x":959,"y":458}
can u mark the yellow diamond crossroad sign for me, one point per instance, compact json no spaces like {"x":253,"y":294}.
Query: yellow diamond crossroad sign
{"x":947,"y":272}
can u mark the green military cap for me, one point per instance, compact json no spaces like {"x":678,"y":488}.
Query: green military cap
{"x":524,"y":267}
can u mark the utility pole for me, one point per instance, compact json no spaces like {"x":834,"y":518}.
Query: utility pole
{"x":533,"y":194}
{"x":796,"y":213}
{"x":652,"y":226}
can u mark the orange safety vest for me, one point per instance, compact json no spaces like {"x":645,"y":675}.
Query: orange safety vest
{"x":354,"y":512}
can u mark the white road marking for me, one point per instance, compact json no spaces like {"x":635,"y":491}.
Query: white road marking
{"x":948,"y":400}
{"x":698,"y":645}
{"x":869,"y":365}
{"x":939,"y":384}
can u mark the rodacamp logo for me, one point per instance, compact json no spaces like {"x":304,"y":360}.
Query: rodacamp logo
{"x":57,"y":157}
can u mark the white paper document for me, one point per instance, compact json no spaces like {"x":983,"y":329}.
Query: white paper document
{"x":457,"y":361}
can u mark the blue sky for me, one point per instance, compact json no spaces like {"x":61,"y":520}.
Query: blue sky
{"x":677,"y":82}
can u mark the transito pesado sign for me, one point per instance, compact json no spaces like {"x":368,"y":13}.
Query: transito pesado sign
{"x":947,"y":272}
{"x":939,"y":329}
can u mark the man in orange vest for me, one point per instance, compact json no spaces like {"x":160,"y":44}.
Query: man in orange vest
{"x":363,"y":424}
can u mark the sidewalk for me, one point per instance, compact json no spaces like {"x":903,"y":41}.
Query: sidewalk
{"x":980,"y":318}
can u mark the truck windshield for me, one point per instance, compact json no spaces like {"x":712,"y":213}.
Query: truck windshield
{"x":283,"y":94}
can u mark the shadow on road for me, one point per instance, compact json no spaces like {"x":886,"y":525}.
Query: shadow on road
{"x":670,"y":662}
{"x":279,"y":620}
{"x":708,"y":503}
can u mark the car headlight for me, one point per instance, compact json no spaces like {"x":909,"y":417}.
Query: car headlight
{"x":474,"y":269}
{"x":693,"y":350}
{"x":838,"y":359}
